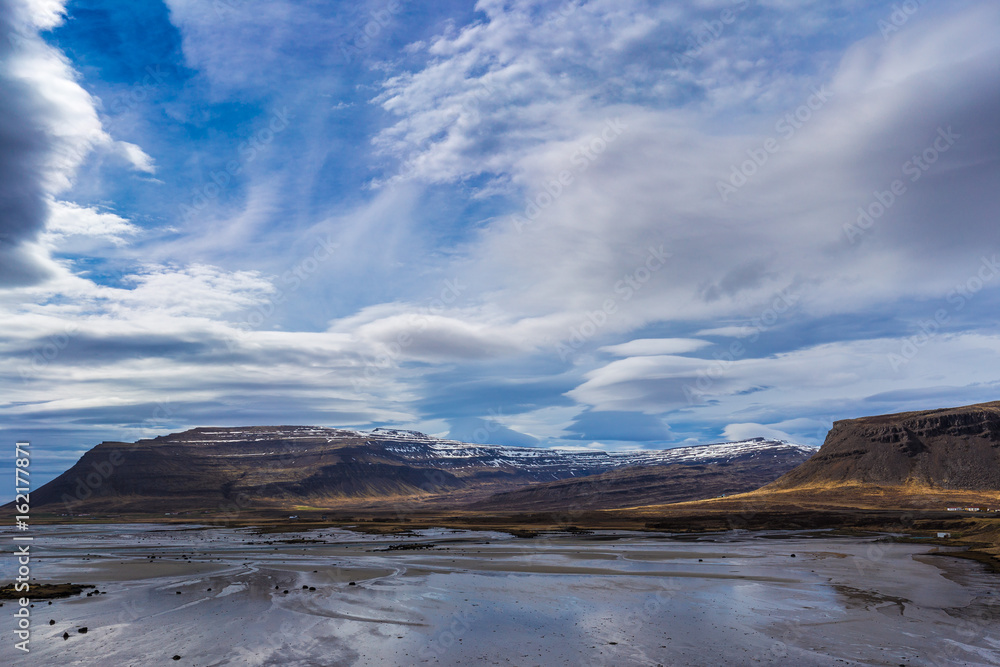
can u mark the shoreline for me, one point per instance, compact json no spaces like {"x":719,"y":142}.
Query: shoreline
{"x":906,"y":525}
{"x":813,"y":597}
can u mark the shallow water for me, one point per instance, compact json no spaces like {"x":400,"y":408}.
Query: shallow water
{"x":492,"y":599}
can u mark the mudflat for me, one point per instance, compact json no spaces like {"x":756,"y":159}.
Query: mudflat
{"x":234,"y":596}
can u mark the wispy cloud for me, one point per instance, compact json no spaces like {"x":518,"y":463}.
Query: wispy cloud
{"x":605,"y":221}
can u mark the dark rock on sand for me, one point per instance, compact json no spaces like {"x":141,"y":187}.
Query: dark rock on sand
{"x":44,"y":591}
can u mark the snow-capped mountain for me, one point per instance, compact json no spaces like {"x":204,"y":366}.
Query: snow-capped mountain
{"x":415,"y":446}
{"x":275,"y":465}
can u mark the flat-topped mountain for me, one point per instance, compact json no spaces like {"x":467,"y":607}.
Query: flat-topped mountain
{"x":953,"y":448}
{"x":296,"y":466}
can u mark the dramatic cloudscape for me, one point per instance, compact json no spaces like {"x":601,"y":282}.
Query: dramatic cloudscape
{"x":605,"y":223}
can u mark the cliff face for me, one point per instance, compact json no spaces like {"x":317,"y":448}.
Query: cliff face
{"x":955,"y":448}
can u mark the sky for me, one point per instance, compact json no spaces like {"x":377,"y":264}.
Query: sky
{"x":604,"y":224}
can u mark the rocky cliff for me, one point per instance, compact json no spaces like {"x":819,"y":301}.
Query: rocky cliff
{"x":954,"y":448}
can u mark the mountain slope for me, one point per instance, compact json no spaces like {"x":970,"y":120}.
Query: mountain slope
{"x":647,"y":485}
{"x":289,"y":466}
{"x":954,"y":448}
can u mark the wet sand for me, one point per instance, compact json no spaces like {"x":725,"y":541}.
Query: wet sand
{"x":493,"y":599}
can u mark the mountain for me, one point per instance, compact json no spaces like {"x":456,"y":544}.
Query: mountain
{"x":953,"y":448}
{"x":649,"y":485}
{"x":273,"y":467}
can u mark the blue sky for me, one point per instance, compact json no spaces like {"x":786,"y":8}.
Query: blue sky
{"x":606,"y":224}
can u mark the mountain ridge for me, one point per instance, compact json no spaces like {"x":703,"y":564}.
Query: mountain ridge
{"x":277,"y":466}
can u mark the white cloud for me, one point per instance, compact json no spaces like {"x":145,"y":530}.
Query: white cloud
{"x":655,"y":346}
{"x":500,"y":110}
{"x":656,"y":183}
{"x":435,"y":338}
{"x":135,"y":156}
{"x":731,"y":331}
{"x":814,"y":380}
{"x":67,"y":219}
{"x":163,"y":337}
{"x":750,"y":430}
{"x":50,"y":126}
{"x":43,"y":14}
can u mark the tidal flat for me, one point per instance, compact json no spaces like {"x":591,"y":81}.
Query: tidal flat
{"x":234,"y":596}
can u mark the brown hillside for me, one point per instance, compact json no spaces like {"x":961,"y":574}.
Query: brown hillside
{"x":644,"y":486}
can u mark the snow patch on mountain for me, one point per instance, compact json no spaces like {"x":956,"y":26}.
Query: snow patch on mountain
{"x":417,"y":447}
